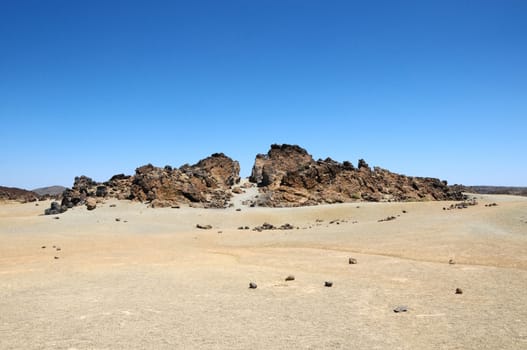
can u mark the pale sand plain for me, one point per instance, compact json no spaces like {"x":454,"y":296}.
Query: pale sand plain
{"x":154,"y":281}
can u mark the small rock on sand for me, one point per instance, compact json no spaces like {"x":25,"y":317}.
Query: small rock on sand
{"x":204,"y":227}
{"x":401,"y":308}
{"x":290,"y":278}
{"x":459,"y":291}
{"x":451,"y":262}
{"x":328,"y":284}
{"x":252,"y":285}
{"x":352,"y":261}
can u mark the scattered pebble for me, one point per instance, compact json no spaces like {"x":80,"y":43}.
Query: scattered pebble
{"x":451,"y":262}
{"x":43,"y":247}
{"x":220,"y":231}
{"x":204,"y":227}
{"x":238,"y":209}
{"x":389,"y":218}
{"x":462,"y":205}
{"x":112,"y":205}
{"x":58,"y":249}
{"x":459,"y":291}
{"x":290,"y":278}
{"x":252,"y":285}
{"x":352,"y":261}
{"x":404,"y":211}
{"x":401,"y":308}
{"x":328,"y":284}
{"x":56,"y":257}
{"x":117,"y":219}
{"x":56,"y":218}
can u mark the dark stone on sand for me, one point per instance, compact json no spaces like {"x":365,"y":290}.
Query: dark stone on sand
{"x":112,"y":205}
{"x":56,"y":257}
{"x":290,"y":278}
{"x":204,"y":227}
{"x":401,"y":308}
{"x":43,"y":247}
{"x":252,"y":285}
{"x":58,"y":249}
{"x":459,"y":291}
{"x":238,"y":209}
{"x":55,"y":208}
{"x":451,"y":262}
{"x":328,"y":284}
{"x":117,"y":219}
{"x":352,"y":261}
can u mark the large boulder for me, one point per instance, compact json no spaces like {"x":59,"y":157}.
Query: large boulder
{"x":91,"y":203}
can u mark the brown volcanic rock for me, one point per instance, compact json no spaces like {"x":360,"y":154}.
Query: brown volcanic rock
{"x":205,"y":184}
{"x":288,"y":176}
{"x":17,"y":194}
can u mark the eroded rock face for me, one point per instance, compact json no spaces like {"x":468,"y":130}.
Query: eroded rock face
{"x":288,"y":176}
{"x":205,"y":184}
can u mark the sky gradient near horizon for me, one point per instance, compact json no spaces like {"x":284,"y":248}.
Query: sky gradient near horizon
{"x":423,"y":88}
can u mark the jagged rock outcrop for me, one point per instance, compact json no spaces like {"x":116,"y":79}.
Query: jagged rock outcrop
{"x":288,"y":176}
{"x":17,"y":194}
{"x":205,"y":184}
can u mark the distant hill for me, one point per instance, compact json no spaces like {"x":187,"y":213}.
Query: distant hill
{"x":518,"y":191}
{"x":50,"y":190}
{"x":17,"y":194}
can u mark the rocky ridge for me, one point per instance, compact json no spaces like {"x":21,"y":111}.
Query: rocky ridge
{"x":206,"y":184}
{"x":17,"y":194}
{"x":288,"y":176}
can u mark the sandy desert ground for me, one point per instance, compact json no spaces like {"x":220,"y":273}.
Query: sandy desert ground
{"x":154,"y":281}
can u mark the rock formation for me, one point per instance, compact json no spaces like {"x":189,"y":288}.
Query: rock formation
{"x":205,"y":184}
{"x":288,"y":176}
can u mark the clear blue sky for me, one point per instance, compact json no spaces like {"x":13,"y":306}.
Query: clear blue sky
{"x":424,"y":88}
